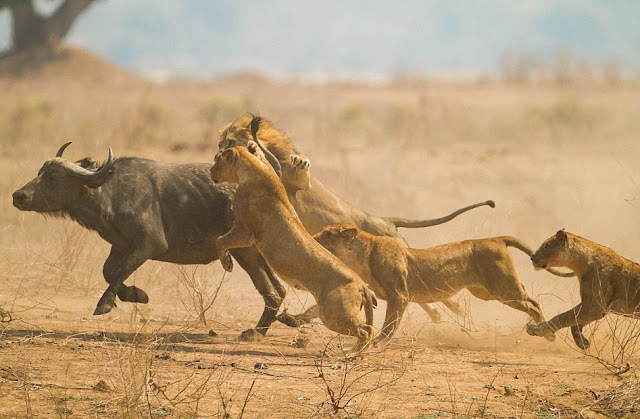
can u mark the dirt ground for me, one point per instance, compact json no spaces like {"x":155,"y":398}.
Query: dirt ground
{"x":550,"y":156}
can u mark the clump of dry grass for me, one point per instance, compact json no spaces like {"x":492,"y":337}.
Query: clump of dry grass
{"x":620,"y":402}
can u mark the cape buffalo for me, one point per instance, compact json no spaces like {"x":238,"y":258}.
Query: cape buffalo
{"x":146,"y":210}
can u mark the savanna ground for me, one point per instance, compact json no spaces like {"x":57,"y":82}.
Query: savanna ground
{"x":550,"y":156}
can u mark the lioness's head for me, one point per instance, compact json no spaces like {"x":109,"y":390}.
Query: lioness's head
{"x":553,"y":252}
{"x":223,"y":169}
{"x":337,"y":237}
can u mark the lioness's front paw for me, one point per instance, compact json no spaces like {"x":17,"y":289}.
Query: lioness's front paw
{"x":291,"y":320}
{"x":226,"y":261}
{"x":540,"y":329}
{"x":300,"y":162}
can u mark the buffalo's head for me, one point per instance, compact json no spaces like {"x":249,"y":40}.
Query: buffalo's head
{"x":61,"y":183}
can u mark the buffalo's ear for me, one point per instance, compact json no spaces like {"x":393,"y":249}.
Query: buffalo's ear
{"x":88,"y":163}
{"x":561,"y":235}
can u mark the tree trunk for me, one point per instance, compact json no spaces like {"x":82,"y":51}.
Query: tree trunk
{"x":31,"y":30}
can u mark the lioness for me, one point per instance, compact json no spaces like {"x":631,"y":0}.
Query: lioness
{"x":316,"y":205}
{"x":401,"y":275}
{"x":264,"y":218}
{"x":608,"y":283}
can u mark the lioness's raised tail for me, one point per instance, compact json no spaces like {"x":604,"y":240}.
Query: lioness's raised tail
{"x":410,"y":223}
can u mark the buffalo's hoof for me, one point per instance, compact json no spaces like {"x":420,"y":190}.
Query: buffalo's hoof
{"x":290,"y":320}
{"x":583,"y":343}
{"x":578,"y":338}
{"x":251,"y":335}
{"x":227,"y":262}
{"x":141,"y":296}
{"x":133,"y":294}
{"x":103,"y":308}
{"x":550,"y":337}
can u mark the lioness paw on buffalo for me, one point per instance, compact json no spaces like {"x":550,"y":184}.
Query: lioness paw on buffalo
{"x":300,"y":162}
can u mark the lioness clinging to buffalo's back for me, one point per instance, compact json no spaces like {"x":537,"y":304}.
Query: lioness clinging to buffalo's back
{"x":316,"y":205}
{"x":608,"y":283}
{"x":402,"y":275}
{"x":264,"y":218}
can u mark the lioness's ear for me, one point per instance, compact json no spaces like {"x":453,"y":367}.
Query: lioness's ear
{"x":561,"y":235}
{"x":349,"y":232}
{"x":229,"y":155}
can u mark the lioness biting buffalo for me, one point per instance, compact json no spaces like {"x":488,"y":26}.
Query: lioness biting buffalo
{"x":265,"y":219}
{"x":186,"y":213}
{"x":316,"y":205}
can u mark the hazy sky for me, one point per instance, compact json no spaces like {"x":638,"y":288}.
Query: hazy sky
{"x":284,"y":37}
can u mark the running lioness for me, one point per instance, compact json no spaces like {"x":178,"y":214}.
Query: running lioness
{"x":264,"y":218}
{"x":608,"y":283}
{"x":401,"y":275}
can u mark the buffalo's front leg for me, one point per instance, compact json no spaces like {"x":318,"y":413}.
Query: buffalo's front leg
{"x":118,"y":266}
{"x":267,"y":285}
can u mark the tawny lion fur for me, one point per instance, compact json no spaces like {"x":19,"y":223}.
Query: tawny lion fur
{"x":402,"y":275}
{"x":264,"y":218}
{"x":609,"y":283}
{"x":316,"y":205}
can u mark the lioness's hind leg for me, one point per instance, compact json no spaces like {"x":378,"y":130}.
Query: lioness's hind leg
{"x":395,"y":310}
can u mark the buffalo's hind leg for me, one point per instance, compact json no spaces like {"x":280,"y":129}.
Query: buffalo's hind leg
{"x":118,"y":266}
{"x":267,"y":285}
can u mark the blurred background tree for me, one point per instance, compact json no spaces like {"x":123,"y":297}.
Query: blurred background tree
{"x":32,"y":30}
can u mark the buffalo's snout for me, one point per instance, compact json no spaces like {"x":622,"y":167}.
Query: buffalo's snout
{"x":20,"y":198}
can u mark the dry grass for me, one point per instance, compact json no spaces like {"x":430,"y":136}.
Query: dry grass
{"x":550,"y":156}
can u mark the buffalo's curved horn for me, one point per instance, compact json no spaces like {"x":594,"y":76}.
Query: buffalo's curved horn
{"x":91,"y":178}
{"x":273,"y":160}
{"x":61,"y":149}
